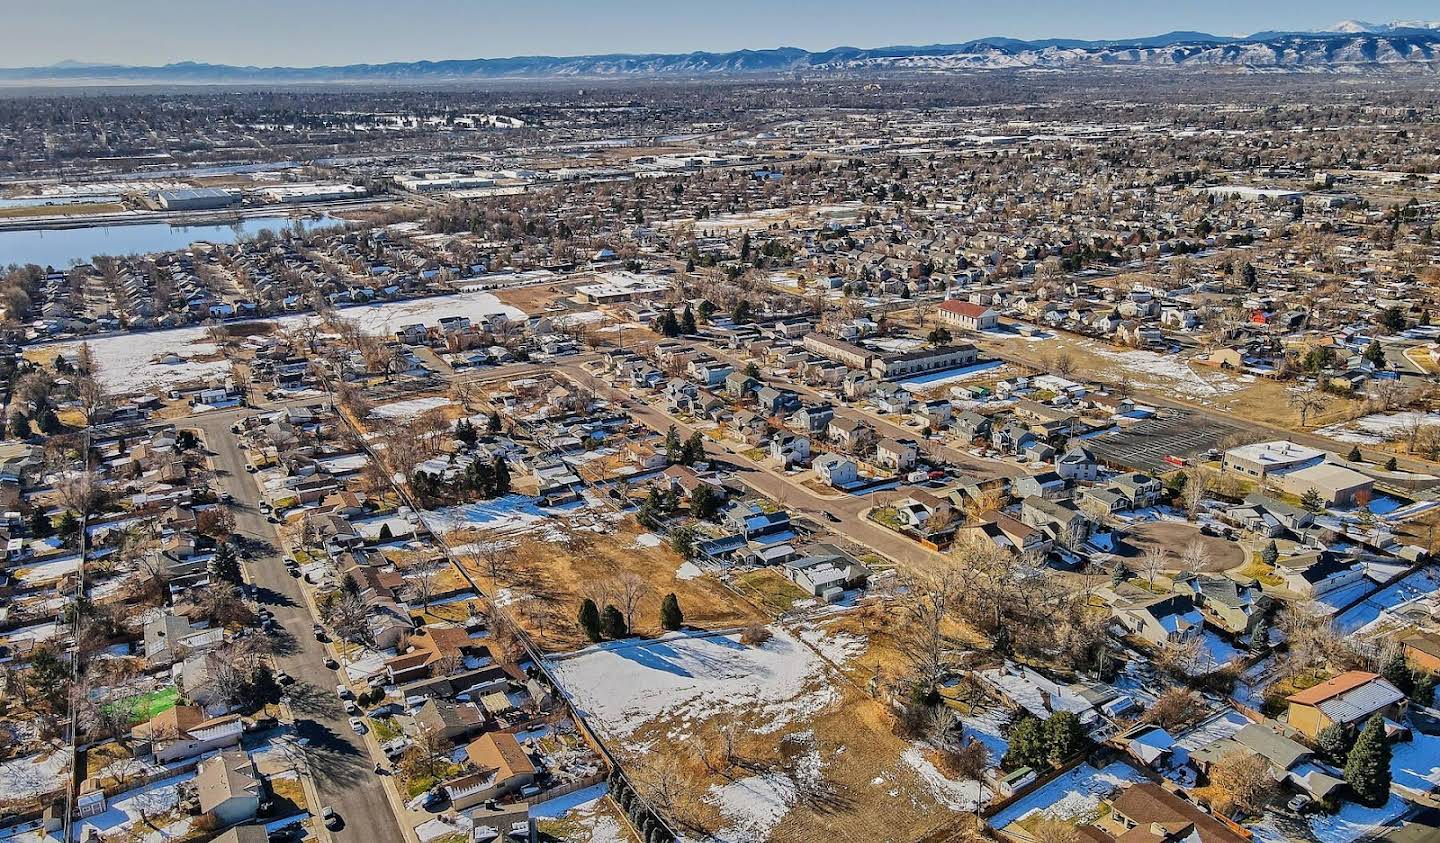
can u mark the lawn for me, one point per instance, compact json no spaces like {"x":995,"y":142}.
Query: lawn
{"x":145,"y":706}
{"x":386,"y":728}
{"x":767,"y":587}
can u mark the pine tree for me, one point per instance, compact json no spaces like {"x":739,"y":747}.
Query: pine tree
{"x":694,"y":448}
{"x":69,"y":526}
{"x":225,"y":566}
{"x":1271,"y":554}
{"x":1375,"y":354}
{"x":349,"y":585}
{"x":40,"y":525}
{"x":50,"y":423}
{"x":262,"y":687}
{"x":687,"y":321}
{"x":1354,"y":455}
{"x":1367,"y":769}
{"x":466,"y":434}
{"x":1390,"y":464}
{"x":1065,"y":736}
{"x":1334,"y":742}
{"x":1028,"y":746}
{"x":671,"y":618}
{"x":1397,"y":672}
{"x":502,"y":477}
{"x":741,"y":314}
{"x":1117,"y":576}
{"x":19,"y":426}
{"x":494,"y":423}
{"x":674,"y":451}
{"x":590,"y":619}
{"x":1311,"y":500}
{"x":704,"y":502}
{"x":614,"y":621}
{"x":1260,"y":636}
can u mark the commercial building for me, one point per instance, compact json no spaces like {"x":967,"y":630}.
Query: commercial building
{"x":967,"y":315}
{"x":921,"y":361}
{"x":195,"y":199}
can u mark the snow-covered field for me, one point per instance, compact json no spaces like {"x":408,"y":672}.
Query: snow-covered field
{"x":413,"y":408}
{"x":584,"y":814}
{"x":1378,"y":427}
{"x":26,"y":778}
{"x":1166,"y":371}
{"x":510,"y":514}
{"x":754,"y":805}
{"x":127,"y":362}
{"x":957,"y":795}
{"x":683,"y":679}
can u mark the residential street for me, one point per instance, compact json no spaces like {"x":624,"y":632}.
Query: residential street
{"x":337,"y":758}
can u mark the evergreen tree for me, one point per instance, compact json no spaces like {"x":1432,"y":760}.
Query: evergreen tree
{"x":1270,"y":554}
{"x":1311,"y":500}
{"x":741,"y":314}
{"x":1065,"y":736}
{"x":614,"y":622}
{"x":668,"y":324}
{"x":494,"y":423}
{"x":694,"y":448}
{"x":674,"y":451}
{"x":1397,"y":672}
{"x":590,"y":619}
{"x":1334,"y":742}
{"x":1390,"y":464}
{"x":225,"y":566}
{"x":1117,"y":576}
{"x":69,"y":526}
{"x":350,"y":586}
{"x":1354,"y":455}
{"x":752,"y":370}
{"x":19,"y":426}
{"x":671,"y":618}
{"x":502,"y":477}
{"x":1367,"y":769}
{"x":1028,"y":746}
{"x":40,"y":525}
{"x":1260,"y":636}
{"x":1375,"y":354}
{"x":466,"y":433}
{"x":386,"y":534}
{"x":50,"y":423}
{"x":705,"y":502}
{"x":687,"y":321}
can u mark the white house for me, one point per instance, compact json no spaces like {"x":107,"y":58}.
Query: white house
{"x":835,"y":470}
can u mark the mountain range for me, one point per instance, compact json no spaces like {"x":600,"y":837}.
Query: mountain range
{"x":1350,"y":46}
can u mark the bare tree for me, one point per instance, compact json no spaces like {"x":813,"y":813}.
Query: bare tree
{"x":629,"y":590}
{"x":1305,"y":402}
{"x":1152,"y":562}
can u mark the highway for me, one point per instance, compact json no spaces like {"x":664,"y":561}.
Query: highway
{"x":339,"y":764}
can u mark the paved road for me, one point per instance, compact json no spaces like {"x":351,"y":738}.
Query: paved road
{"x":340,"y":766}
{"x":788,"y":490}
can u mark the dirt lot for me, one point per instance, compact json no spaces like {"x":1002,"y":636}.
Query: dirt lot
{"x":543,"y":582}
{"x":1173,"y":537}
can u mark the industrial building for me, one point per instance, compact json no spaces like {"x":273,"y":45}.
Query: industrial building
{"x":195,"y":199}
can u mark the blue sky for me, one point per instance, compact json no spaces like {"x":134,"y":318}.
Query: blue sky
{"x":311,"y":32}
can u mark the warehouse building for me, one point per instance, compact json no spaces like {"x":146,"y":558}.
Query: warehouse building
{"x":195,"y":199}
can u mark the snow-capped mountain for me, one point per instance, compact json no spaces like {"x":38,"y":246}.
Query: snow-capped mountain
{"x":1351,"y":47}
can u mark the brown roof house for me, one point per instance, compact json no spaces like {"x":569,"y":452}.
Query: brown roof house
{"x":229,"y":787}
{"x":502,"y":768}
{"x":186,"y":731}
{"x":1350,"y":698}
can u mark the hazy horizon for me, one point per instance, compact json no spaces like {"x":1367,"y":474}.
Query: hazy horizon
{"x":324,"y":32}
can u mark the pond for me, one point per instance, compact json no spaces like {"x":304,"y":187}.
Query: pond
{"x":58,"y":248}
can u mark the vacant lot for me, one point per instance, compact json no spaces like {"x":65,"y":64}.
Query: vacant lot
{"x":1173,"y":537}
{"x":543,"y":576}
{"x":760,"y":742}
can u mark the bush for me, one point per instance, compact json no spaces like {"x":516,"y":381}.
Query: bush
{"x":755,"y":635}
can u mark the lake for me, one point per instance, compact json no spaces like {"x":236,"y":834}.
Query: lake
{"x":57,"y":248}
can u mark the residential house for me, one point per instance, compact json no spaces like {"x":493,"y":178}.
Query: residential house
{"x":186,"y":731}
{"x":1350,"y":699}
{"x":895,"y":454}
{"x":1228,"y":605}
{"x":853,"y":435}
{"x":835,"y":470}
{"x":789,"y":449}
{"x":228,"y":787}
{"x":1160,"y":619}
{"x":502,"y":768}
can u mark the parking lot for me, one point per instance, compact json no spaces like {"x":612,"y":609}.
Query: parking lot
{"x":1144,"y":446}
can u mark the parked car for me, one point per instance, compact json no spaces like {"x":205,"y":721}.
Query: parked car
{"x":331,"y":663}
{"x":358,"y":725}
{"x":332,"y":819}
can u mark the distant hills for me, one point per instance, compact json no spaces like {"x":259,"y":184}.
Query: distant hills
{"x":1350,"y":46}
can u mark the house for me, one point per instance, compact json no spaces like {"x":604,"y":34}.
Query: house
{"x":1422,"y":651}
{"x":826,"y":571}
{"x":813,"y":418}
{"x":186,"y":731}
{"x":228,"y":787}
{"x":1153,"y":814}
{"x":1048,"y":484}
{"x":169,"y":637}
{"x":1060,"y":521}
{"x":751,"y":522}
{"x":502,"y":768}
{"x":740,"y":385}
{"x":789,"y":449}
{"x":1267,"y":516}
{"x":456,"y":721}
{"x":835,"y":470}
{"x":895,"y":454}
{"x":1104,"y":501}
{"x":1316,"y":574}
{"x":853,"y":435}
{"x":891,"y":398}
{"x":1077,"y":465}
{"x":1142,"y":489}
{"x":1160,"y":619}
{"x":970,"y":426}
{"x":1348,"y":699}
{"x":1225,"y":603}
{"x":1289,"y":760}
{"x":967,"y":315}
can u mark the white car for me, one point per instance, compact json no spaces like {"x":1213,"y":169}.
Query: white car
{"x":358,"y":725}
